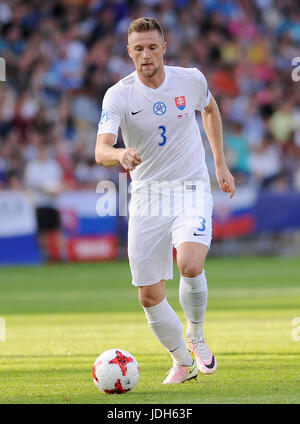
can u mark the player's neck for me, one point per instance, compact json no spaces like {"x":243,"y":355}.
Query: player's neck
{"x":155,"y":81}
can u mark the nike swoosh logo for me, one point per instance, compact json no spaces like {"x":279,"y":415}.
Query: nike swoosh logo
{"x":191,"y":371}
{"x":196,"y":234}
{"x":212,"y":364}
{"x":134,"y":113}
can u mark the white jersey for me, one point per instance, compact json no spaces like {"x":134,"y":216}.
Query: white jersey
{"x":160,"y":124}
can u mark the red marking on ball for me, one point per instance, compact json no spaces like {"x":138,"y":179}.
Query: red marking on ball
{"x":118,"y":389}
{"x":94,"y":370}
{"x":122,"y":361}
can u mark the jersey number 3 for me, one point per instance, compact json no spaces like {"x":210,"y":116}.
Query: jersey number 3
{"x":162,"y":134}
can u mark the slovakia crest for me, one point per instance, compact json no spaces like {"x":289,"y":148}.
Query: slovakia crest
{"x":180,"y":102}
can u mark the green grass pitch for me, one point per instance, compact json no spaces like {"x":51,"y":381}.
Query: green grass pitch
{"x":59,"y":318}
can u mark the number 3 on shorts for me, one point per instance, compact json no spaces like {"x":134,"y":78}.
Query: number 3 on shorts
{"x":202,"y":224}
{"x":163,"y":132}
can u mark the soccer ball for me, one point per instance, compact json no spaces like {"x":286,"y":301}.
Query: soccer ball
{"x":116,"y":371}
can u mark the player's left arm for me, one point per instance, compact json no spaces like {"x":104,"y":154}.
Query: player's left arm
{"x":213,"y":127}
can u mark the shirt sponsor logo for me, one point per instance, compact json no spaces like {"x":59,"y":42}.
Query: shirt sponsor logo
{"x":104,"y":117}
{"x":159,"y":108}
{"x":180,"y":102}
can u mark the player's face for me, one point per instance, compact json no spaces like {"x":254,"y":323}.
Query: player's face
{"x":147,"y":49}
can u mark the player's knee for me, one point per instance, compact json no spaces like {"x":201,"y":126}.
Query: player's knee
{"x":148,"y":300}
{"x":190,"y":269}
{"x":149,"y":297}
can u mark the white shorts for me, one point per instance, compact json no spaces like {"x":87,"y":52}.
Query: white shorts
{"x":153,"y":233}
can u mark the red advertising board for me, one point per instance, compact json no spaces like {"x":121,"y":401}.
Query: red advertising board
{"x":93,"y":248}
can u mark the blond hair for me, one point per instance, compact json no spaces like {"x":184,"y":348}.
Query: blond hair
{"x":145,"y":24}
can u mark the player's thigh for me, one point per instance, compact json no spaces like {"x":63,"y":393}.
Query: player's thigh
{"x":191,"y":235}
{"x":150,"y":250}
{"x":193,"y":229}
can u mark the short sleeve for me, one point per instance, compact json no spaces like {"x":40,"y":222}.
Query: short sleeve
{"x":203,"y":91}
{"x":111,"y":113}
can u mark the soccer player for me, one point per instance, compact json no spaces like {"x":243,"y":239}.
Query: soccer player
{"x":155,"y":109}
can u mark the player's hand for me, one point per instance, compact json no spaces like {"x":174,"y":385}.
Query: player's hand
{"x":225,"y":180}
{"x":130,"y":158}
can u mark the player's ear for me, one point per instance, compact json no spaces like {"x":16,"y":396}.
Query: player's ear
{"x":164,"y":47}
{"x":129,"y":52}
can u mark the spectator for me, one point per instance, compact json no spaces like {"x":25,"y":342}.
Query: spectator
{"x":236,"y":146}
{"x":265,"y":163}
{"x":43,"y":178}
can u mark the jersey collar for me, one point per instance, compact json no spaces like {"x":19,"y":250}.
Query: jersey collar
{"x":154,"y":90}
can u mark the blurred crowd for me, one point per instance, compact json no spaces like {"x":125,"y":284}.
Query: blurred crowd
{"x":62,"y":55}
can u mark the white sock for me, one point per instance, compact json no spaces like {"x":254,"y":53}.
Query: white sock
{"x":193,"y":300}
{"x":167,"y":328}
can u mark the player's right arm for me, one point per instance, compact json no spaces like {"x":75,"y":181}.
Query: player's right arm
{"x":107,"y":155}
{"x":112,"y":112}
